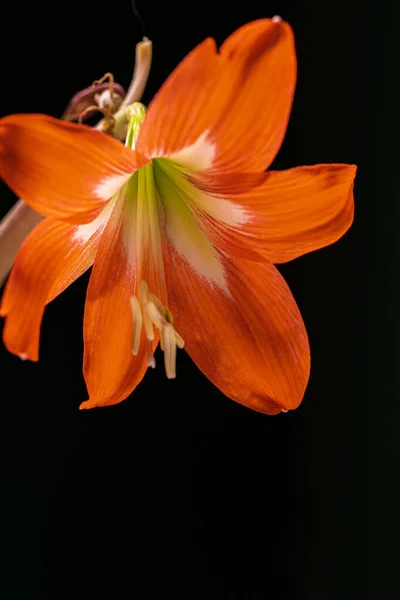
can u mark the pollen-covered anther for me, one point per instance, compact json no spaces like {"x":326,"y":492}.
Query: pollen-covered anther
{"x":148,"y":311}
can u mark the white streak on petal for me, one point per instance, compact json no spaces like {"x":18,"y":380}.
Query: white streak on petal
{"x":182,"y":227}
{"x":220,"y":209}
{"x":84,"y":232}
{"x":196,"y":157}
{"x":107,"y":188}
{"x":194,"y":247}
{"x":207,"y":266}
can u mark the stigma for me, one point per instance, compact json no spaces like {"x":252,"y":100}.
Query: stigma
{"x":149,"y":314}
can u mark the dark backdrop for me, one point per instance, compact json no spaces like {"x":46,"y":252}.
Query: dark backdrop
{"x":179,"y":492}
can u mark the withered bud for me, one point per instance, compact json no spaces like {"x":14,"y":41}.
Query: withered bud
{"x":94,"y":95}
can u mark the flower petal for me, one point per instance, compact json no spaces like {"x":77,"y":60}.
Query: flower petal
{"x":186,"y":104}
{"x":251,"y":342}
{"x":252,"y":130}
{"x":53,"y":256}
{"x":226,"y":111}
{"x":293,"y":212}
{"x":111,"y":371}
{"x":60,"y":169}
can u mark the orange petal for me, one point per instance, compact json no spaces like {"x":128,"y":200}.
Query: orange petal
{"x":252,"y":129}
{"x":226,"y":111}
{"x":111,"y":371}
{"x":250,"y":342}
{"x":293,"y":212}
{"x":60,"y":169}
{"x":186,"y":105}
{"x":50,"y":259}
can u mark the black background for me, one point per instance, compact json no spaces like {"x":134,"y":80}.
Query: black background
{"x":179,"y":492}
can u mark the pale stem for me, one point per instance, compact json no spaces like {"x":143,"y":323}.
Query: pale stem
{"x":144,"y":50}
{"x":21,"y":219}
{"x":14,"y":228}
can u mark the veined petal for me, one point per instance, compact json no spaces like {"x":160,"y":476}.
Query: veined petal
{"x":252,"y":343}
{"x":50,"y":259}
{"x":185,"y":106}
{"x":111,"y":371}
{"x":226,"y":111}
{"x":291,"y":213}
{"x":63,"y":170}
{"x":252,"y":130}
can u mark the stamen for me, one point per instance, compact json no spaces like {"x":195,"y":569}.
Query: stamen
{"x":151,"y":361}
{"x":137,"y":324}
{"x":162,"y":341}
{"x":168,"y":315}
{"x":148,"y":311}
{"x":147,"y":322}
{"x":154,"y":300}
{"x":155,"y":315}
{"x":179,"y":340}
{"x":169,"y":351}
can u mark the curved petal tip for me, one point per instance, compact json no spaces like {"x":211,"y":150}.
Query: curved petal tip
{"x":87,"y":404}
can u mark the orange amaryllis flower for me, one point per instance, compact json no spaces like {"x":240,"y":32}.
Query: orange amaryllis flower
{"x":182,"y":224}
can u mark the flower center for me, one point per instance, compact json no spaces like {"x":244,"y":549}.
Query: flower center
{"x":148,"y":312}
